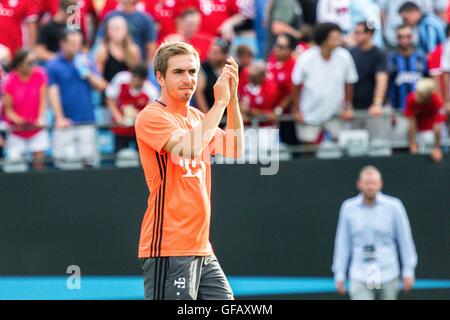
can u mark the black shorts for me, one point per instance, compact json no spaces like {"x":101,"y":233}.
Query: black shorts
{"x":185,"y":278}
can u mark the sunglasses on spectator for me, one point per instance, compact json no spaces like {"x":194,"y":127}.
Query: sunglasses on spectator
{"x":404,"y":36}
{"x":29,"y":63}
{"x":280,"y":46}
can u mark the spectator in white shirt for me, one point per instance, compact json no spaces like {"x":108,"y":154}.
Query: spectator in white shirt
{"x":323,"y":77}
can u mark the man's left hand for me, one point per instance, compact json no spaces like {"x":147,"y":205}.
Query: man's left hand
{"x":408,"y":284}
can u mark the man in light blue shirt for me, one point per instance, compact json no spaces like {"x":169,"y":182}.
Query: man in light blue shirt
{"x":373,"y":230}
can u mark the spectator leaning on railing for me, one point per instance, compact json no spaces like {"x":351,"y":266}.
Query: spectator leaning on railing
{"x":371,"y":87}
{"x":72,"y":76}
{"x":25,"y":101}
{"x":425,"y":112}
{"x":280,"y":65}
{"x":406,"y":65}
{"x":323,"y":77}
{"x":127,"y":94}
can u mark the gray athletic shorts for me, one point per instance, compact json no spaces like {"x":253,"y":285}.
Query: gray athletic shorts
{"x":185,"y":278}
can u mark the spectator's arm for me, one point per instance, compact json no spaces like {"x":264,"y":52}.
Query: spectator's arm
{"x":342,"y":247}
{"x":437,"y":135}
{"x":9,"y":110}
{"x":412,"y":135}
{"x":136,"y":52}
{"x":54,"y":100}
{"x":115,"y":112}
{"x":405,"y":242}
{"x":150,"y":48}
{"x":43,"y":53}
{"x":348,"y":95}
{"x":445,"y":93}
{"x":100,"y":58}
{"x":286,"y":101}
{"x":97,"y":82}
{"x":226,"y":29}
{"x":381,"y":84}
{"x":32,"y":33}
{"x":279,"y":27}
{"x":296,"y":108}
{"x":200,"y":97}
{"x":43,"y":103}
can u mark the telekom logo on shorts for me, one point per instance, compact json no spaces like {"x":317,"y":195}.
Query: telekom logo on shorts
{"x":191,"y":168}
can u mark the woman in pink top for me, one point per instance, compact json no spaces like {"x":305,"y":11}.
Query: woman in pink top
{"x":24,"y":101}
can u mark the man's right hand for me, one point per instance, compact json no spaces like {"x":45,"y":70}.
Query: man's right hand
{"x":222,"y":92}
{"x":340,"y":287}
{"x":413,"y":149}
{"x":298,"y":117}
{"x":375,"y":110}
{"x":62,"y":122}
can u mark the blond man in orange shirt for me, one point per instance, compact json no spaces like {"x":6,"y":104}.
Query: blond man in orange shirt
{"x":175,"y":144}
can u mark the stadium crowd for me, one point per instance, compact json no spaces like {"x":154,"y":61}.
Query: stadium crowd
{"x":311,"y":68}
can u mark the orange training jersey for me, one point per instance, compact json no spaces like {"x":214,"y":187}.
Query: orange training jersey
{"x":177,"y":219}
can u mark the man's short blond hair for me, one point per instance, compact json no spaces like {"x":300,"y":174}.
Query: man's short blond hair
{"x":425,"y":88}
{"x":369,"y":169}
{"x":171,"y":49}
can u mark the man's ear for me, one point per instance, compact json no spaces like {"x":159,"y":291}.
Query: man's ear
{"x":160,"y":79}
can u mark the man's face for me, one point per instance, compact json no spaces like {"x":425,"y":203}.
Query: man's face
{"x":405,"y":37}
{"x":282,"y":50}
{"x":370,"y":184}
{"x":137,"y":82}
{"x":190,"y":24}
{"x":216,"y":56}
{"x":411,"y":18}
{"x":72,"y":45}
{"x":117,"y":29}
{"x":334,"y":40}
{"x":180,"y":80}
{"x":27,"y":65}
{"x":361,"y":36}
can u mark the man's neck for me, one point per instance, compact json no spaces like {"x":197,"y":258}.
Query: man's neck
{"x":367,"y":46}
{"x":406,"y":51}
{"x":60,"y":17}
{"x":326,"y":53}
{"x":129,"y":8}
{"x":175,"y":106}
{"x":369,"y":201}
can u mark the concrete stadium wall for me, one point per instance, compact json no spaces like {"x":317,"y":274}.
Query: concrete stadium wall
{"x":281,"y":225}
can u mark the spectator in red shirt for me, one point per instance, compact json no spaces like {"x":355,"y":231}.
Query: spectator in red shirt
{"x":127,"y":94}
{"x":424,"y":109}
{"x":258,"y":99}
{"x":280,"y":66}
{"x":219,"y":17}
{"x":259,"y":95}
{"x":13,"y":13}
{"x":24,"y":99}
{"x":166,"y":13}
{"x":188,"y":31}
